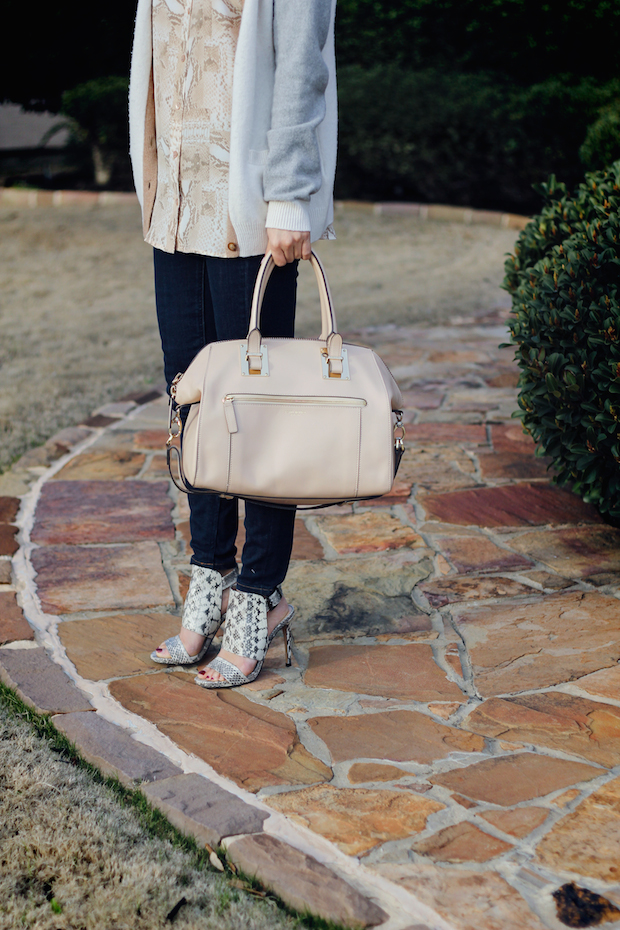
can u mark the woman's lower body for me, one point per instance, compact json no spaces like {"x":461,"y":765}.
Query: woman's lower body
{"x":199,"y":300}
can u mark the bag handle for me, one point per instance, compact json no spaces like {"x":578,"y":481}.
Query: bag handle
{"x":329,"y":334}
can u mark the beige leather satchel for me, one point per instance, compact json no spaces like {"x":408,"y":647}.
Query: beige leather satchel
{"x":288,"y":421}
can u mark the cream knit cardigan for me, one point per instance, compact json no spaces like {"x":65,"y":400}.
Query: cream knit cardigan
{"x":282,"y":148}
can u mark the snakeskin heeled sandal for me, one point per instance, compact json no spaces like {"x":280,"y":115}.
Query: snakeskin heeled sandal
{"x":202,"y":614}
{"x":246,"y":635}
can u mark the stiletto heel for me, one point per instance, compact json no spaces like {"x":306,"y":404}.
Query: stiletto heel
{"x":283,"y":626}
{"x":202,"y":614}
{"x":287,"y":640}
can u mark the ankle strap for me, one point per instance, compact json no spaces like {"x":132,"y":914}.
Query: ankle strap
{"x":274,"y":598}
{"x":230,"y":577}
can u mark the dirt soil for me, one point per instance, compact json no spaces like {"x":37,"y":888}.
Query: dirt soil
{"x":77,"y":319}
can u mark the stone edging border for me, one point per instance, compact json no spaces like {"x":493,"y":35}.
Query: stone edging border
{"x":24,"y":197}
{"x":306,"y":871}
{"x":440,"y":213}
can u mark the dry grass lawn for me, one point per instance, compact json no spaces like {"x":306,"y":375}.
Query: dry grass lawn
{"x":72,"y":856}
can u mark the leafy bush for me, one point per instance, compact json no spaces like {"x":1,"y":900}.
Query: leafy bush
{"x":475,"y":139}
{"x":564,"y":278}
{"x":526,"y":39}
{"x":602,"y":142}
{"x":97,"y":112}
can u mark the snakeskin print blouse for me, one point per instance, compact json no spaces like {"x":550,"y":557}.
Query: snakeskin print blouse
{"x":194,"y":43}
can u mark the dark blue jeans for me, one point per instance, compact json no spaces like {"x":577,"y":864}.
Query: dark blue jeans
{"x":201,"y":299}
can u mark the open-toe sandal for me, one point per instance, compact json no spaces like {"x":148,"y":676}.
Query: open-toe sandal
{"x":202,"y":614}
{"x":246,"y":636}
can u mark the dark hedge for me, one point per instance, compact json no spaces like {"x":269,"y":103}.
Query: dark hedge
{"x":564,"y":278}
{"x":473,"y":139}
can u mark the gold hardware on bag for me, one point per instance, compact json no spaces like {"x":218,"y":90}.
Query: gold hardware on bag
{"x":327,"y":361}
{"x":399,"y":441}
{"x":245,"y":361}
{"x":294,"y":399}
{"x":174,"y":418}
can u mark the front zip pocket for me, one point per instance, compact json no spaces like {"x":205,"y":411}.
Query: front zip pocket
{"x":289,"y":446}
{"x":230,"y":400}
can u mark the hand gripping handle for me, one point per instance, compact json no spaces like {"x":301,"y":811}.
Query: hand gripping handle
{"x":329,"y":334}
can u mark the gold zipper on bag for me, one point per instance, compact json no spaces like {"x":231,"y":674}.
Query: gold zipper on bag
{"x":294,"y":399}
{"x":279,"y":399}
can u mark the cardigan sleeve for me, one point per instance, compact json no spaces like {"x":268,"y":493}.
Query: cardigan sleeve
{"x":293,"y":168}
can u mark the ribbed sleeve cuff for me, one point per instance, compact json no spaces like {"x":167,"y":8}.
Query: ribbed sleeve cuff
{"x":288,"y":214}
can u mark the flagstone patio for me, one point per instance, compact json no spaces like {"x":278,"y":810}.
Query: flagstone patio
{"x":444,"y":751}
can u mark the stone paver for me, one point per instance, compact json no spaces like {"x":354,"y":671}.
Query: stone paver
{"x":103,"y":512}
{"x":74,"y":578}
{"x":113,"y":750}
{"x":510,"y":505}
{"x":516,"y":778}
{"x":115,"y":646}
{"x":406,"y":672}
{"x":252,"y":744}
{"x":475,"y":554}
{"x":198,"y":806}
{"x":367,"y":532}
{"x":558,"y":721}
{"x":302,"y":882}
{"x":513,"y":465}
{"x":8,"y":540}
{"x":399,"y":735}
{"x":461,"y":843}
{"x":102,"y":466}
{"x":452,"y":590}
{"x":361,"y":772}
{"x":518,"y":822}
{"x":604,"y":683}
{"x":13,"y":624}
{"x":8,"y":508}
{"x":535,"y":645}
{"x":357,"y":819}
{"x":470,"y":900}
{"x":587,"y":841}
{"x":467,"y":433}
{"x":40,"y":682}
{"x":452,"y":714}
{"x":438,"y":466}
{"x":576,"y":552}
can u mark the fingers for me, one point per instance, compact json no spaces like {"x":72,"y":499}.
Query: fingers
{"x":287,"y":246}
{"x":278,"y":255}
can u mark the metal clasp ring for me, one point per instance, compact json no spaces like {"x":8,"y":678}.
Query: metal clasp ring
{"x":399,"y":440}
{"x":174,"y":417}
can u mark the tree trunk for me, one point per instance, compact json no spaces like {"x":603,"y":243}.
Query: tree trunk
{"x":103,"y":163}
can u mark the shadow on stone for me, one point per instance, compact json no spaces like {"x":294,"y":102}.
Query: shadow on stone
{"x":353,"y":611}
{"x":358,"y":597}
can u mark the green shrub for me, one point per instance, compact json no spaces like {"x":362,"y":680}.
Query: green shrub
{"x":97,"y":119}
{"x":526,"y":39}
{"x":417,"y":135}
{"x":564,"y":278}
{"x":602,"y":142}
{"x":474,"y":139}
